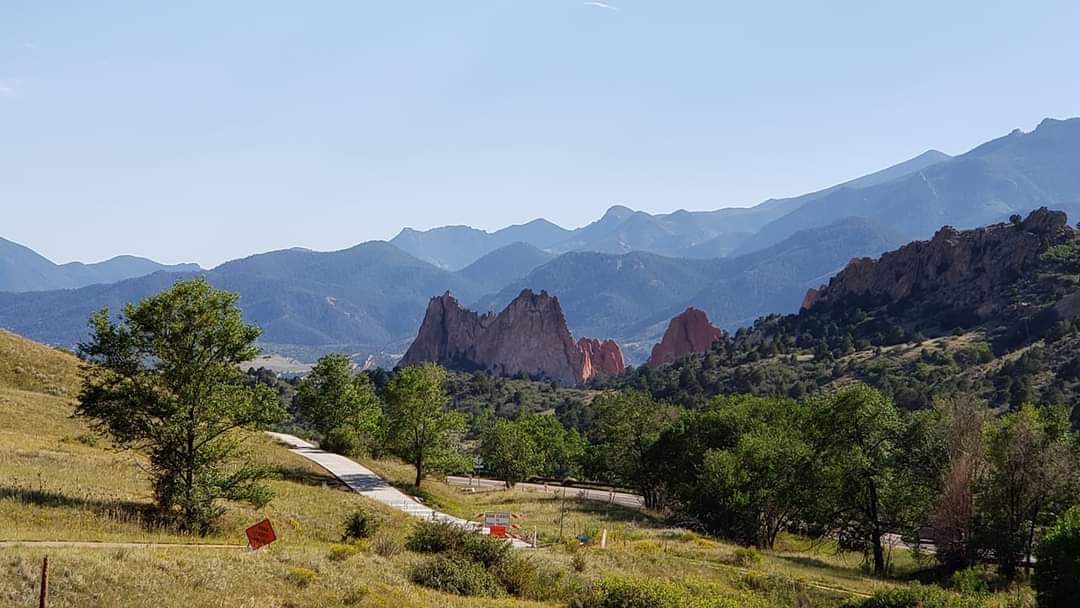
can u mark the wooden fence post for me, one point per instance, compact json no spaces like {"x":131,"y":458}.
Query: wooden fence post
{"x":43,"y":597}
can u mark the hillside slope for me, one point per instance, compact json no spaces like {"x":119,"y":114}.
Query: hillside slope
{"x":993,"y":311}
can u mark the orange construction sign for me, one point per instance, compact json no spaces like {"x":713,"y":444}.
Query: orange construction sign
{"x":260,"y":535}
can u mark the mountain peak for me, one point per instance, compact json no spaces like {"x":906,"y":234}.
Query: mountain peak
{"x":617,"y":212}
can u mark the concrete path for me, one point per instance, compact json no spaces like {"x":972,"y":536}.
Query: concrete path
{"x":366,"y":483}
{"x":623,"y":499}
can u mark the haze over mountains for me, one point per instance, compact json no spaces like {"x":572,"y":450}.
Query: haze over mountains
{"x":623,"y":276}
{"x":22,"y":269}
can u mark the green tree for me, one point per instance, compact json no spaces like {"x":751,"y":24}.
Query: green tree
{"x":560,"y":449}
{"x":1031,"y":479}
{"x":510,"y":452}
{"x":626,"y":425}
{"x":340,"y":405}
{"x":867,"y":490}
{"x":1057,"y":574}
{"x":419,"y":428}
{"x":764,"y":482}
{"x":166,"y":380}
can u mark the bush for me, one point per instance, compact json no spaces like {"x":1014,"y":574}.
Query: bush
{"x":359,"y":525}
{"x":435,"y":537}
{"x":456,"y":575}
{"x":642,"y":593}
{"x":301,"y":577}
{"x":385,"y":544}
{"x":916,"y":597}
{"x":520,"y":577}
{"x":970,"y":581}
{"x":484,"y":550}
{"x":342,"y":440}
{"x":340,"y":553}
{"x":579,"y":562}
{"x":746,"y":557}
{"x":1057,"y":568}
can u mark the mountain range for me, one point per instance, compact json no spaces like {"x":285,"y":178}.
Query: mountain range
{"x":622,"y":276}
{"x":23,"y":269}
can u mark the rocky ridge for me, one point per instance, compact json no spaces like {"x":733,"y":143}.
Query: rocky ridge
{"x":963,"y":271}
{"x":689,"y":332}
{"x":528,"y":337}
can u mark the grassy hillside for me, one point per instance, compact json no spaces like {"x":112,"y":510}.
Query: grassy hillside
{"x":60,"y":482}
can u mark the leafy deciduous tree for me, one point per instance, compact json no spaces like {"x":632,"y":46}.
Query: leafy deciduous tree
{"x":419,"y":428}
{"x":166,"y":381}
{"x":340,"y":405}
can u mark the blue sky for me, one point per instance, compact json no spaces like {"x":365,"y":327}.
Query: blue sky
{"x":204,"y":131}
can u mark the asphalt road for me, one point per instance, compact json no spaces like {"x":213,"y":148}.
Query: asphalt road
{"x":623,"y":499}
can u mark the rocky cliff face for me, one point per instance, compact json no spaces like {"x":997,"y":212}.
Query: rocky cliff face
{"x":957,"y":270}
{"x":689,"y":332}
{"x":600,"y":358}
{"x":529,"y":337}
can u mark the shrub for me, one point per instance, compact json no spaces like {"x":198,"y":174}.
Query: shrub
{"x":1057,"y":569}
{"x":579,"y":561}
{"x":301,"y":577}
{"x":520,"y":577}
{"x":633,"y":593}
{"x":916,"y":597}
{"x":746,"y":557}
{"x":970,"y":581}
{"x":484,"y":550}
{"x":642,"y":593}
{"x":342,"y":440}
{"x":435,"y":537}
{"x":385,"y":544}
{"x":340,"y":553}
{"x":359,"y":525}
{"x":456,"y":575}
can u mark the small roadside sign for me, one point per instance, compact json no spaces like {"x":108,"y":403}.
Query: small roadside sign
{"x":498,"y":524}
{"x":260,"y":535}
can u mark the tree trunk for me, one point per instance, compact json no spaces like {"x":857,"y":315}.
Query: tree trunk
{"x":419,"y":475}
{"x":879,"y":555}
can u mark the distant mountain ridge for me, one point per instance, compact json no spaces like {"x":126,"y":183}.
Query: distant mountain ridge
{"x":1015,"y":174}
{"x":621,"y":277}
{"x":681,"y":233}
{"x":23,"y":269}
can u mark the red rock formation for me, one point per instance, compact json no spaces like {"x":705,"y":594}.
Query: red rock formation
{"x":959,"y":270}
{"x":600,"y":358}
{"x":529,"y":337}
{"x":689,"y":332}
{"x":810,"y":297}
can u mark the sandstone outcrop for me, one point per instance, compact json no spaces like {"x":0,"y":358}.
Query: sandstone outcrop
{"x":689,"y":332}
{"x":956,"y":270}
{"x":529,"y":337}
{"x":600,"y":358}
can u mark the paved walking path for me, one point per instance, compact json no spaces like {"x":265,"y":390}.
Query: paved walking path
{"x":365,"y":482}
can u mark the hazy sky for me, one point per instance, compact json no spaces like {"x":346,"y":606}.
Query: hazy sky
{"x":203,"y":131}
